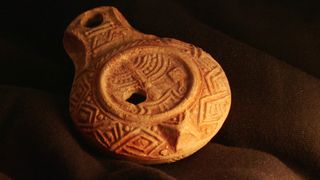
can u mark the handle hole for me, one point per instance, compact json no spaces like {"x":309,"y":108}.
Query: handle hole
{"x":137,"y":98}
{"x":93,"y":20}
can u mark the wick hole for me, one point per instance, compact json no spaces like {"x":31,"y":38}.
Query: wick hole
{"x":136,"y":98}
{"x":94,"y":21}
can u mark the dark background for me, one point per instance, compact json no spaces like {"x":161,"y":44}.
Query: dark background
{"x":269,"y":49}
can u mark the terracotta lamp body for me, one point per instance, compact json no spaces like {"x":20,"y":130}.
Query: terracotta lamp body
{"x":140,"y":97}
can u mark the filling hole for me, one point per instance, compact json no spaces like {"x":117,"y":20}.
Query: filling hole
{"x":94,"y":21}
{"x":136,"y":98}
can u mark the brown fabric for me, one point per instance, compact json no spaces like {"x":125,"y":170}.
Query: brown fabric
{"x":272,"y":131}
{"x":288,"y":30}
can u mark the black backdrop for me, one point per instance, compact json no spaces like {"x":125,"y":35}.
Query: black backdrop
{"x":270,"y":51}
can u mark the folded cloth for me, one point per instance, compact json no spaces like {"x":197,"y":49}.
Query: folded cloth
{"x":272,"y":131}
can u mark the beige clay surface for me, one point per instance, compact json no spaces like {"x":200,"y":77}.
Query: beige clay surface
{"x":140,"y":97}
